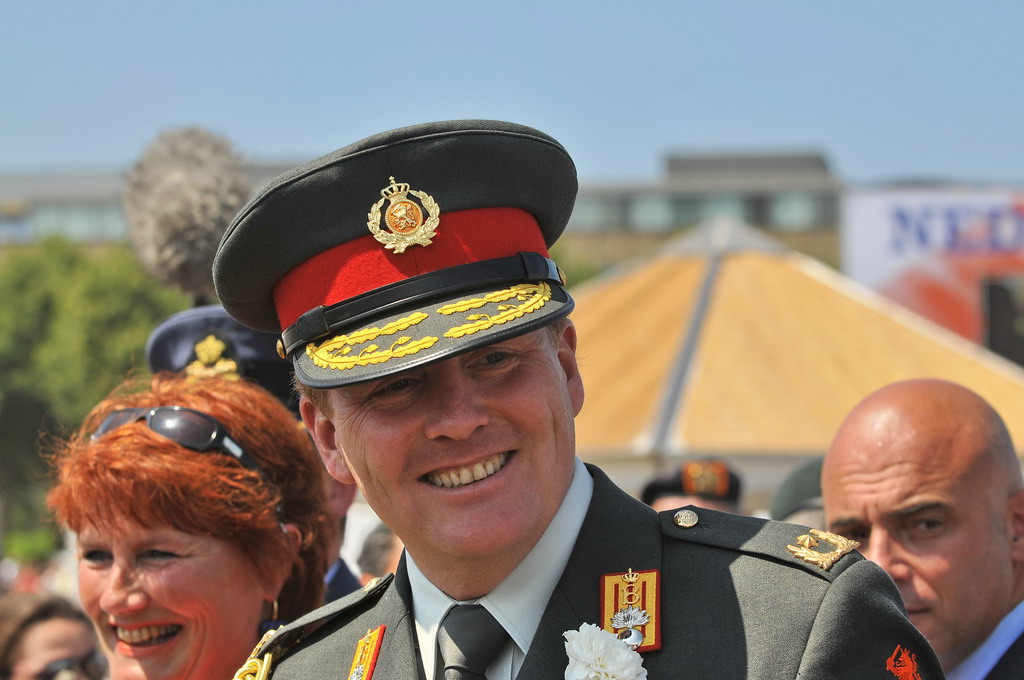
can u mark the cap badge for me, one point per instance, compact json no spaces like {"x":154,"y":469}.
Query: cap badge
{"x":825,"y":560}
{"x":210,"y":360}
{"x":706,"y":478}
{"x":404,"y":217}
{"x":630,"y":608}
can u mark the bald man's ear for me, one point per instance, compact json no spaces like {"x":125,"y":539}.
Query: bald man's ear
{"x":1015,"y":515}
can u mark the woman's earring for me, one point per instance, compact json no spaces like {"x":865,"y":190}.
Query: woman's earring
{"x":272,"y":622}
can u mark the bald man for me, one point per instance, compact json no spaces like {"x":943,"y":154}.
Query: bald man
{"x":924,"y":475}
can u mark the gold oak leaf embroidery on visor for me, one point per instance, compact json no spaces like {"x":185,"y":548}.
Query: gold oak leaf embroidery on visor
{"x":533,"y":297}
{"x":335,"y":353}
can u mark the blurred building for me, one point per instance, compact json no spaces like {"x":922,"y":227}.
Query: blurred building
{"x":725,"y":344}
{"x":83,"y":206}
{"x":785,"y":192}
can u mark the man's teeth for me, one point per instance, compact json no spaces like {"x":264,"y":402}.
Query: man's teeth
{"x":147,"y":635}
{"x":468,"y":475}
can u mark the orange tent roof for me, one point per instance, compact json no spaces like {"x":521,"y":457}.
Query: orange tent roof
{"x":725,"y":344}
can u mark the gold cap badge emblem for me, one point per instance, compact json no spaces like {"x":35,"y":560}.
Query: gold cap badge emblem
{"x":210,"y":360}
{"x":404,"y":217}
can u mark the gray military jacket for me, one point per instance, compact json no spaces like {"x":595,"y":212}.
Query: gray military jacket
{"x":735,"y":603}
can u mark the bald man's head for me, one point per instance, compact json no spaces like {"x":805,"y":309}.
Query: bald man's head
{"x":923,"y":473}
{"x":929,"y":421}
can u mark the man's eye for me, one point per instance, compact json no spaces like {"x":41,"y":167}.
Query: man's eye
{"x":928,"y":524}
{"x":394,"y":386}
{"x":858,"y":534}
{"x":495,"y":357}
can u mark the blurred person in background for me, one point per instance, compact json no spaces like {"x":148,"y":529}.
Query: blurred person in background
{"x":46,"y":637}
{"x":339,"y":579}
{"x":200,"y":521}
{"x":381,"y":553}
{"x":924,"y":475}
{"x":798,"y":498}
{"x":702,"y":483}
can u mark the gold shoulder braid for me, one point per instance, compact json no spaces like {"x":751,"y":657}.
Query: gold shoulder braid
{"x":256,"y":668}
{"x":807,"y":544}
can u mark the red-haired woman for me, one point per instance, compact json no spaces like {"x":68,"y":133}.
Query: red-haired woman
{"x":199,"y":514}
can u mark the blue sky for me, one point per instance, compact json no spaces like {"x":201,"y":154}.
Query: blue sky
{"x":885,"y":89}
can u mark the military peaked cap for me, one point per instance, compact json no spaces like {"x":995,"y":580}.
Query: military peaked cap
{"x":404,"y":248}
{"x":712,"y":479}
{"x":205,"y":341}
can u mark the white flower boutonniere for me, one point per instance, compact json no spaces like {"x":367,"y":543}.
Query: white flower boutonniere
{"x":596,"y":654}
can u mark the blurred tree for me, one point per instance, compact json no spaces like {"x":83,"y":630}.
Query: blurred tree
{"x":576,"y":269}
{"x":179,"y":198}
{"x":75,"y":322}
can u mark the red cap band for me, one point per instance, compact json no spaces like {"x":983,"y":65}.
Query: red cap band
{"x":363,"y":264}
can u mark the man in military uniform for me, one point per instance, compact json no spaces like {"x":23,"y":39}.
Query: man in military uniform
{"x":706,"y":483}
{"x":429,"y":332}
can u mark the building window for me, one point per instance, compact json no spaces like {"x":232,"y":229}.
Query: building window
{"x":723,"y":205}
{"x":794,"y":211}
{"x":598,"y":213}
{"x":85,"y":222}
{"x":651,"y":213}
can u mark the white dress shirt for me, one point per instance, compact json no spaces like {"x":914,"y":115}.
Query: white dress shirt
{"x":518,"y":602}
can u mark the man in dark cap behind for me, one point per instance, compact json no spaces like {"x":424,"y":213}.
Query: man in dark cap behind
{"x":702,"y":483}
{"x":798,"y":498}
{"x":409,"y":276}
{"x":205,"y":341}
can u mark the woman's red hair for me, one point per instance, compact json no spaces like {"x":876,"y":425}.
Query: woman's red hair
{"x":132,"y":473}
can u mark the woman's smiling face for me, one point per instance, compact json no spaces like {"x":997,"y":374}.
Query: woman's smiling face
{"x":169,"y":604}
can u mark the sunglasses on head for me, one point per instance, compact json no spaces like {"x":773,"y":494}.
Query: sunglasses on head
{"x":192,"y":429}
{"x":93,"y":666}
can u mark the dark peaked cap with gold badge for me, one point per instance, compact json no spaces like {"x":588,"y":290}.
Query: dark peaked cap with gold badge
{"x":205,"y":341}
{"x":404,"y":248}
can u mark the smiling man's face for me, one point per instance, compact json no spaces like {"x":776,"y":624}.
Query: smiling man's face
{"x":466,"y":459}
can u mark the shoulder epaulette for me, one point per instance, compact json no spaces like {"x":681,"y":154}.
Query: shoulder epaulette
{"x":814,"y":550}
{"x":278,"y":643}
